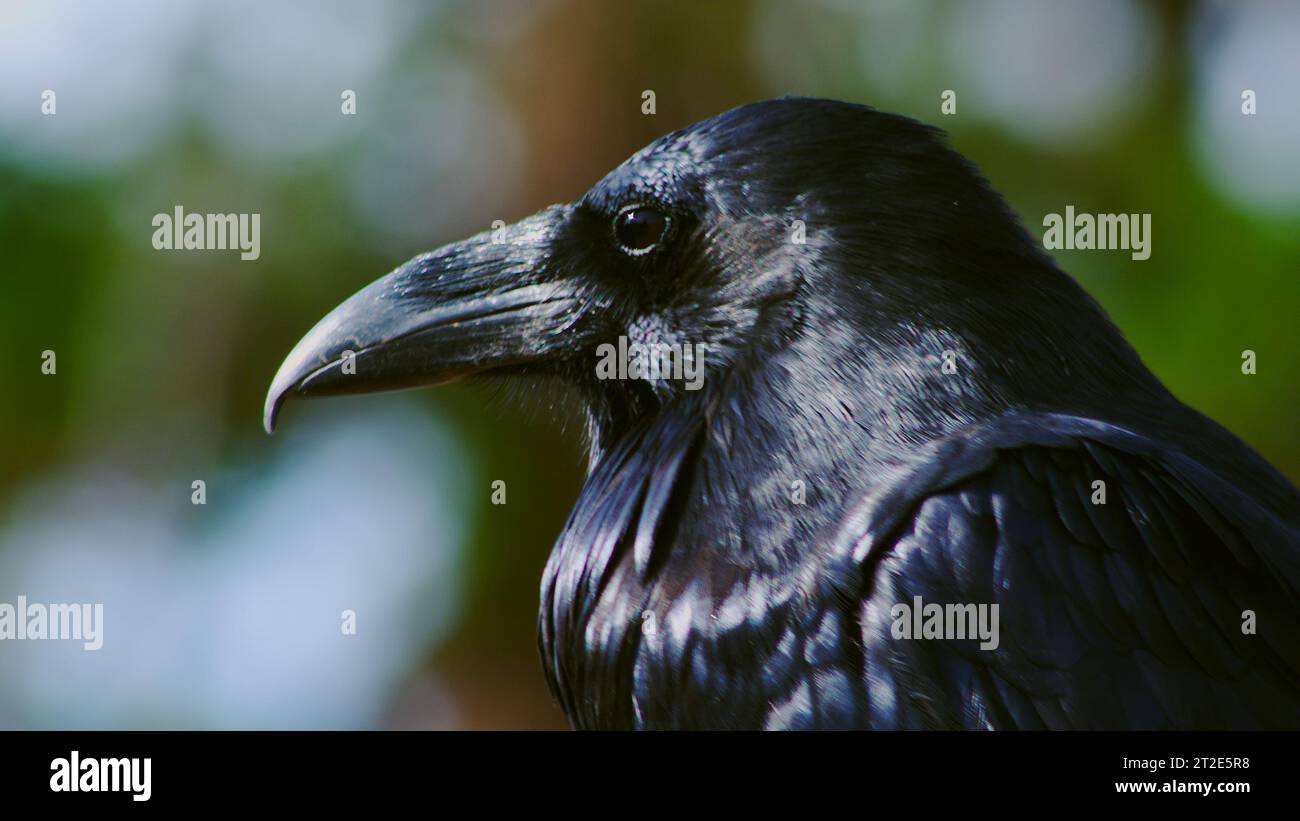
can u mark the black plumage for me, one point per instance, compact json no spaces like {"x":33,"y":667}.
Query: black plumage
{"x":737,"y":551}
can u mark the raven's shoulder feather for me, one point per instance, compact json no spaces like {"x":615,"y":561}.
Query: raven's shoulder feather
{"x":1123,"y":613}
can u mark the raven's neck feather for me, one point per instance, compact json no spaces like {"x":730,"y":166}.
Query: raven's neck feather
{"x":750,"y":474}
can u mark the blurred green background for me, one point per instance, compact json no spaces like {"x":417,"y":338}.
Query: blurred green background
{"x":228,"y":614}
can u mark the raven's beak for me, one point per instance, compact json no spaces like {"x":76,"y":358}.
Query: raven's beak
{"x":491,"y":301}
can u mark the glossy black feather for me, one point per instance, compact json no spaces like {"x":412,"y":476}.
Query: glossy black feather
{"x":690,"y":589}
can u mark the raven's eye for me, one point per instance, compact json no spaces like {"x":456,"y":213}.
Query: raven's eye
{"x":639,"y":228}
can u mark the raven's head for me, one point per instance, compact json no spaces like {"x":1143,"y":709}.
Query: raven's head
{"x":848,"y":235}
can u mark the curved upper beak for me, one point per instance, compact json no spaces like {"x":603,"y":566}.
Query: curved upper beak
{"x":490,"y":301}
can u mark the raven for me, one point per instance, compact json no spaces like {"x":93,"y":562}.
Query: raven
{"x":904,"y":403}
